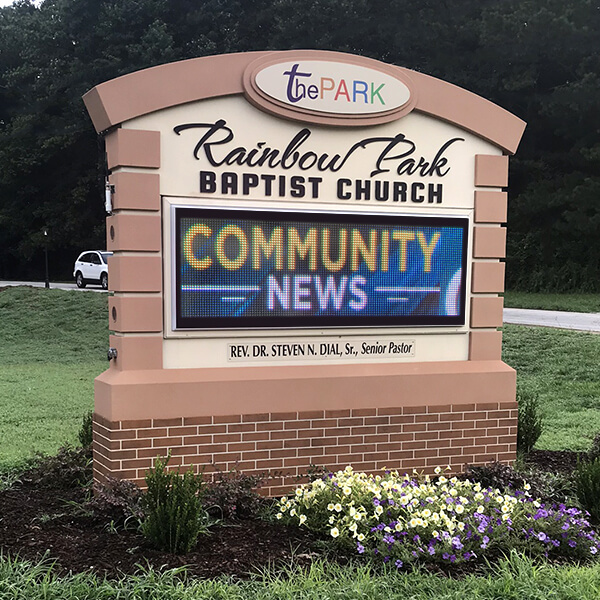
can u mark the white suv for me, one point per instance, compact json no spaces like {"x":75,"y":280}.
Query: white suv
{"x":92,"y":267}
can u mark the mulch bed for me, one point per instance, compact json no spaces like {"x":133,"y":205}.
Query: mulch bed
{"x":39,"y":519}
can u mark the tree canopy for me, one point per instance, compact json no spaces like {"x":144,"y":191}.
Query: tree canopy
{"x":537,"y":58}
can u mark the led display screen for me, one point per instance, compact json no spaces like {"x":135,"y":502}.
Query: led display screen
{"x":264,"y":269}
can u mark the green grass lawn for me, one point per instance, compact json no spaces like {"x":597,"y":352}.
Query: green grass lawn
{"x":589,"y":303}
{"x":54,"y":345}
{"x":564,"y":368}
{"x":515,"y":578}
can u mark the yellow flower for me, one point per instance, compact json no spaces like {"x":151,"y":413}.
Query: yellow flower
{"x":335,"y":532}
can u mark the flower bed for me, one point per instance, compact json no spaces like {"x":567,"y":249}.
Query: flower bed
{"x":410,"y":519}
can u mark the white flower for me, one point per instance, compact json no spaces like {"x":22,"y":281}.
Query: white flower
{"x":347,"y":491}
{"x":279,"y":515}
{"x":302,"y":519}
{"x":360,"y":537}
{"x":335,"y":532}
{"x":338,"y":507}
{"x":330,"y":506}
{"x":459,"y":509}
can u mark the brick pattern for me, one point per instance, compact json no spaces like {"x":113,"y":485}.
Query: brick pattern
{"x":284,"y":445}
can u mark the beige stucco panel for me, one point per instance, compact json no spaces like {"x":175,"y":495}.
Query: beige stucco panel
{"x":179,"y":169}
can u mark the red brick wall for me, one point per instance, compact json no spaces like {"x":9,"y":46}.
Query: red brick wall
{"x":284,"y":445}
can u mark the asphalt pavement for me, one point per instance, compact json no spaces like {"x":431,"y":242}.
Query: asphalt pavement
{"x":517,"y":316}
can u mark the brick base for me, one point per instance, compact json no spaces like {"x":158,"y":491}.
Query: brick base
{"x":283,"y":446}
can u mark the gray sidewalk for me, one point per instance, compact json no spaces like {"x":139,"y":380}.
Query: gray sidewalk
{"x":553,"y":318}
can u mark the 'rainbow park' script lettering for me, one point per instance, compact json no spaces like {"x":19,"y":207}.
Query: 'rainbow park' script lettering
{"x":396,"y":153}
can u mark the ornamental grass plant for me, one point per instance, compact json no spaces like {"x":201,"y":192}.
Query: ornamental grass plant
{"x":407,"y":520}
{"x":172,"y":504}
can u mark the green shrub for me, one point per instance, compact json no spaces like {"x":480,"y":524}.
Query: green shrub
{"x":530,"y":420}
{"x":233,"y":495}
{"x":172,"y":504}
{"x":119,"y":500}
{"x":587,"y":482}
{"x":86,"y":431}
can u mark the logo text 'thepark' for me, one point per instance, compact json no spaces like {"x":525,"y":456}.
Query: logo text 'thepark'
{"x":303,"y":86}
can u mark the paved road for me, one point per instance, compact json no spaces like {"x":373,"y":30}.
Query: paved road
{"x":53,"y":285}
{"x":518,"y":316}
{"x":553,"y":318}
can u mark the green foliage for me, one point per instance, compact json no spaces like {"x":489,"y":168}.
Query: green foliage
{"x":413,"y":520}
{"x":86,"y":433}
{"x":234,"y":495}
{"x":172,"y":504}
{"x":515,"y":577}
{"x":530,"y":421}
{"x":536,"y":58}
{"x":587,"y":482}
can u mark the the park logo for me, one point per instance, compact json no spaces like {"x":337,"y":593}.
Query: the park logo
{"x":331,"y":87}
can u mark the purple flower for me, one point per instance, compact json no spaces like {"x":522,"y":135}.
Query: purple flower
{"x":468,"y":555}
{"x":572,"y":543}
{"x":542,"y":536}
{"x":388,"y":539}
{"x":449,"y":500}
{"x":486,"y":541}
{"x":445,"y":556}
{"x":565,"y":527}
{"x":457,"y":544}
{"x":398,"y":564}
{"x":376,"y":502}
{"x":593,"y":549}
{"x":360,"y":548}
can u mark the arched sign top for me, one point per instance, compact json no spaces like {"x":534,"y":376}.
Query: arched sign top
{"x":253,"y":74}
